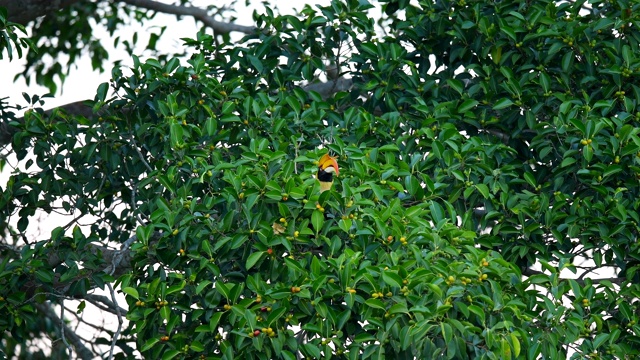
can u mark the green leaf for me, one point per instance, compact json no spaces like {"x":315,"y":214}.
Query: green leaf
{"x":627,"y":55}
{"x":515,"y":344}
{"x":211,"y":126}
{"x":131,"y":292}
{"x":196,"y":346}
{"x":276,"y":314}
{"x":214,"y":321}
{"x":467,"y":105}
{"x":317,"y":220}
{"x":600,"y":340}
{"x":294,"y":265}
{"x":391,"y":278}
{"x":170,"y":354}
{"x":253,"y":259}
{"x":502,"y":104}
{"x":101,"y":94}
{"x":400,"y":308}
{"x":223,"y":289}
{"x":545,"y":82}
{"x":567,"y":62}
{"x":509,"y":32}
{"x":176,"y":288}
{"x":201,"y":285}
{"x":375,"y":303}
{"x":345,"y":225}
{"x":165,"y":312}
{"x":177,"y":134}
{"x":530,"y":179}
{"x":478,"y":311}
{"x":364,"y":337}
{"x":575,"y":288}
{"x":149,"y":344}
{"x":587,"y":152}
{"x":256,"y":63}
{"x":484,"y":190}
{"x":456,"y":85}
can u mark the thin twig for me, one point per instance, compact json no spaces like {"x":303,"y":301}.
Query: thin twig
{"x":62,"y":327}
{"x":119,"y":315}
{"x":144,"y":161}
{"x":81,"y":350}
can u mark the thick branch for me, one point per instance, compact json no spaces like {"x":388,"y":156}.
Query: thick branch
{"x":103,"y":303}
{"x":326,"y":89}
{"x":195,"y":12}
{"x":116,"y":262}
{"x":82,"y":351}
{"x":24,"y":11}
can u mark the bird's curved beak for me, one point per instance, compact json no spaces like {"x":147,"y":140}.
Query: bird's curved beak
{"x":329,"y":164}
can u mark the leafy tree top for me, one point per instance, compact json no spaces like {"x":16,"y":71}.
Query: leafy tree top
{"x":476,"y":141}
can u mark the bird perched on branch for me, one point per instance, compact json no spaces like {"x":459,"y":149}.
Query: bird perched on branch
{"x":327,"y":166}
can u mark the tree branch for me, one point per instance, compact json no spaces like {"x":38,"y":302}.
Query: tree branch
{"x":197,"y":13}
{"x":326,"y":89}
{"x":103,"y":303}
{"x":114,"y":341}
{"x":24,"y":11}
{"x":82,"y":351}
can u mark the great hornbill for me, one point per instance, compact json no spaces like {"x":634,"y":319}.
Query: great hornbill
{"x":327,"y":166}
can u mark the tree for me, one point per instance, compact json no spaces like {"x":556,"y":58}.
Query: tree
{"x":489,"y":170}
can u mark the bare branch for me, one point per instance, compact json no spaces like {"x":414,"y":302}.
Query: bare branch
{"x":103,"y":303}
{"x":119,"y":315}
{"x":82,"y":351}
{"x":195,"y":12}
{"x":62,"y":328}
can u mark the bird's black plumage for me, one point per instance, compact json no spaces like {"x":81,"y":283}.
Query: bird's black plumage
{"x":324,"y":176}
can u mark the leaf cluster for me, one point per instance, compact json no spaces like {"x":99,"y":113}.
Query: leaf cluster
{"x":478,"y":139}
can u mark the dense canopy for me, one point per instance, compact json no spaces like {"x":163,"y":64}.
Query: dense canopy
{"x":486,"y":205}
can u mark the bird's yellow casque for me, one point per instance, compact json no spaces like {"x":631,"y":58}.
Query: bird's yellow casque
{"x":327,"y":166}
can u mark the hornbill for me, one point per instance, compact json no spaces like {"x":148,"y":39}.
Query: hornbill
{"x":327,"y":166}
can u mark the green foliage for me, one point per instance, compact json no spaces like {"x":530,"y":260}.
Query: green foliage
{"x":10,"y":40}
{"x":478,"y":139}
